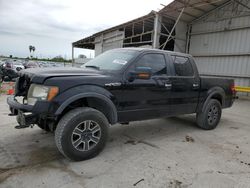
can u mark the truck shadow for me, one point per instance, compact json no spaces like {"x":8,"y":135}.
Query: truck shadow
{"x":27,"y":149}
{"x":151,"y":131}
{"x":169,"y":126}
{"x":37,"y":147}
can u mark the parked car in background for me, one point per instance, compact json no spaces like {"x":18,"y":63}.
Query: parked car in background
{"x":7,"y":74}
{"x":14,"y":65}
{"x":18,"y":65}
{"x":42,"y":64}
{"x":31,"y":64}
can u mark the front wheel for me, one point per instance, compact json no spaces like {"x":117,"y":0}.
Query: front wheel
{"x":82,"y":133}
{"x":210,"y":117}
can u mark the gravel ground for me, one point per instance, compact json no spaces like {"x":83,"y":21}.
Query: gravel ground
{"x":170,"y":152}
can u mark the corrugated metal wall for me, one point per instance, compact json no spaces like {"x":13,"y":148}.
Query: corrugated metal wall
{"x":108,"y":41}
{"x":220,"y":43}
{"x":180,"y":37}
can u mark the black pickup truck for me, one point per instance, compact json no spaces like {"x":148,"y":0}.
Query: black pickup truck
{"x":118,"y":86}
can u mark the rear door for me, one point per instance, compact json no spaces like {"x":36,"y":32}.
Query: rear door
{"x":185,"y":85}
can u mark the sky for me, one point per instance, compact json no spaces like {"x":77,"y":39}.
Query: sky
{"x":52,"y":25}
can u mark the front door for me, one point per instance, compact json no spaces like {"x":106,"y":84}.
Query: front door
{"x":146,"y":99}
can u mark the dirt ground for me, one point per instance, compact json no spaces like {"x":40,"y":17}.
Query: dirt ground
{"x":170,"y":152}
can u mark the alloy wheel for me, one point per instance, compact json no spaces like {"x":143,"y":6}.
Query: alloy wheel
{"x":86,"y":135}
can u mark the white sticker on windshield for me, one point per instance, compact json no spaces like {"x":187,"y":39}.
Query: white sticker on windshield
{"x":120,"y":61}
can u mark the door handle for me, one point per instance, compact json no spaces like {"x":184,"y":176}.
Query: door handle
{"x":195,"y":85}
{"x":168,"y":86}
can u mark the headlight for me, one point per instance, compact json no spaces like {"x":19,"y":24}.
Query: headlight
{"x":40,"y":92}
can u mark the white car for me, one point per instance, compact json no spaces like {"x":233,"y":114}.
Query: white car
{"x":14,"y":65}
{"x":17,"y":66}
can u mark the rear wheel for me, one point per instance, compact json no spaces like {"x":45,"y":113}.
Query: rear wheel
{"x":210,"y":117}
{"x":82,"y":133}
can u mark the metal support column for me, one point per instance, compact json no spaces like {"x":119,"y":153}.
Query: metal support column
{"x":157,"y":30}
{"x":73,"y":60}
{"x":188,"y":38}
{"x":102,"y":45}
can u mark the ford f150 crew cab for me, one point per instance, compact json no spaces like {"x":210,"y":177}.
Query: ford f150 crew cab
{"x":118,"y":86}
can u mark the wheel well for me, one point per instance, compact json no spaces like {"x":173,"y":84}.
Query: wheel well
{"x":92,"y":102}
{"x":217,"y":97}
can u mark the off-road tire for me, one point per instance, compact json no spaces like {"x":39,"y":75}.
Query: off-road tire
{"x":209,"y":118}
{"x":68,"y":124}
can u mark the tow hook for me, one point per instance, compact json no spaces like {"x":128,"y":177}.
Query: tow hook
{"x":21,"y":126}
{"x":24,"y":126}
{"x":25,"y":121}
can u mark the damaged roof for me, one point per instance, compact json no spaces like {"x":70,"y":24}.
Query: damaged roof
{"x":192,"y":10}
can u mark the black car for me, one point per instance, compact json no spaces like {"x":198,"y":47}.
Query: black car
{"x":119,"y":86}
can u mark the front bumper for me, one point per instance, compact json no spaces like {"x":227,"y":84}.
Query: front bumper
{"x":28,"y":114}
{"x":39,"y":108}
{"x":15,"y":105}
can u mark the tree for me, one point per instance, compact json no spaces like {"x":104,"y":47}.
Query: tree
{"x":31,"y":49}
{"x":58,"y":58}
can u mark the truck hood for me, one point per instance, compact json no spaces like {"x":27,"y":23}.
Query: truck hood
{"x":39,"y":75}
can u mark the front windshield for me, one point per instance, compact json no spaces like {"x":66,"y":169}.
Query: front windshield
{"x":112,"y":60}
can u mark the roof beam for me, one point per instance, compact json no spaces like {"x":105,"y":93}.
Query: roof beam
{"x":188,"y":14}
{"x":186,"y":5}
{"x":209,"y":12}
{"x":191,"y":15}
{"x":242,"y":4}
{"x":206,"y":2}
{"x":211,"y":3}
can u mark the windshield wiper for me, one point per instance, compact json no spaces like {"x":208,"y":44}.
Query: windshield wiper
{"x":92,"y":66}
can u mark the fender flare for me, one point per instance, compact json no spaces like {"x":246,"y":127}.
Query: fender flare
{"x":114,"y":117}
{"x":211,"y":93}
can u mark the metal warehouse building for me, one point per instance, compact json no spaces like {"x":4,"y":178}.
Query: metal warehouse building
{"x":215,"y":32}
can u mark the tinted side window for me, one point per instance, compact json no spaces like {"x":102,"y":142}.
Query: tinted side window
{"x":182,"y":66}
{"x":155,"y":61}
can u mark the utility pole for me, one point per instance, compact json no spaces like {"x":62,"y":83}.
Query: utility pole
{"x":73,"y":60}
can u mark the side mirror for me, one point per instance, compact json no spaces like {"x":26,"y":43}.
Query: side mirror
{"x":143,"y":73}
